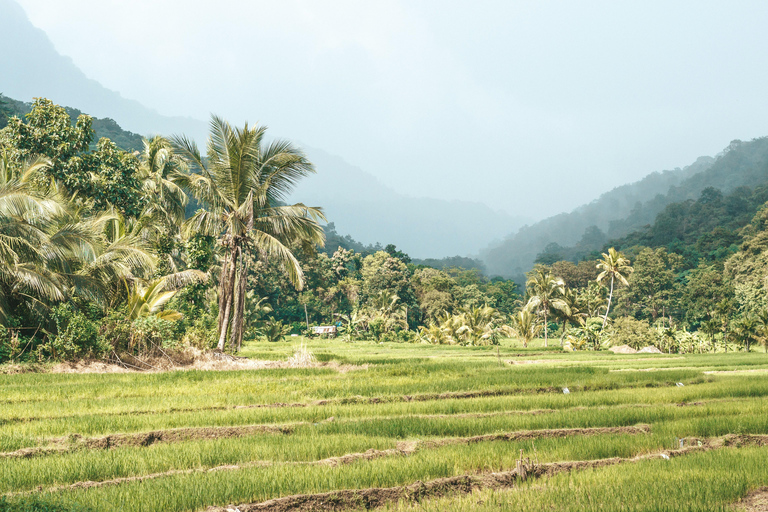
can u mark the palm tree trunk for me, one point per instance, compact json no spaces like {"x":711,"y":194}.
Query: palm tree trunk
{"x":236,"y":339}
{"x":545,"y":328}
{"x":610,"y":297}
{"x":223,"y":284}
{"x":227,"y":291}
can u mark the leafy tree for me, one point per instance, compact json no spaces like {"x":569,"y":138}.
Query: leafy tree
{"x":546,"y":294}
{"x":747,"y":330}
{"x":615,"y":266}
{"x":241,"y":184}
{"x":651,"y":285}
{"x":100,"y":179}
{"x":702,"y":289}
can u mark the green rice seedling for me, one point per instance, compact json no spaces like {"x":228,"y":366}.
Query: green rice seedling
{"x":21,"y":474}
{"x":711,"y":481}
{"x":195,"y":491}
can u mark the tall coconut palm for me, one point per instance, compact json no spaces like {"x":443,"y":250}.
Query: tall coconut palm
{"x":241,"y":184}
{"x":616,"y":266}
{"x":546,"y":294}
{"x":573,"y":314}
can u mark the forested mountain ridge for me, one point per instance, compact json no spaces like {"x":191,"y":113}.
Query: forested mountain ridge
{"x":105,"y":127}
{"x":612,"y":216}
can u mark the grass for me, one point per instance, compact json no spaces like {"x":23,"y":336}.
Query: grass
{"x":701,"y":482}
{"x":404,"y":393}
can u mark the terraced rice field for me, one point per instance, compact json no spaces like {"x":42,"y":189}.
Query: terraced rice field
{"x":400,"y":427}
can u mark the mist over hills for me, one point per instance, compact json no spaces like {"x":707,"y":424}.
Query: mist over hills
{"x":627,"y":209}
{"x":370,"y":212}
{"x":33,"y":68}
{"x":356,"y":201}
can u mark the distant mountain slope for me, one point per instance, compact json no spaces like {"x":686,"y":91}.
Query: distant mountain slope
{"x":614,"y":213}
{"x":370,"y":212}
{"x":741,"y":164}
{"x":31,"y":67}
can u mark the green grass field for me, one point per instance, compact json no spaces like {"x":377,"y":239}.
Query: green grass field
{"x":395,"y":414}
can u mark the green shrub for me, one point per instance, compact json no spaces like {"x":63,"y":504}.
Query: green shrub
{"x":150,"y":332}
{"x":6,"y":352}
{"x":76,"y":337}
{"x":115,"y":331}
{"x":201,"y":335}
{"x":274,"y":330}
{"x":626,"y":330}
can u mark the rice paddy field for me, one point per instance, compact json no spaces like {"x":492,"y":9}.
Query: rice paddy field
{"x":396,"y":427}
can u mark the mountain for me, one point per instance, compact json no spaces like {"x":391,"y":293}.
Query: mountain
{"x":356,"y":201}
{"x":613,"y":214}
{"x":361,"y":206}
{"x":630,"y":209}
{"x":33,"y":68}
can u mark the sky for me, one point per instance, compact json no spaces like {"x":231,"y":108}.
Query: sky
{"x":532,"y":107}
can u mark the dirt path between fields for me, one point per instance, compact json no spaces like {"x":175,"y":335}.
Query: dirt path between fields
{"x":350,"y":400}
{"x":754,"y":501}
{"x":77,"y":442}
{"x":404,"y":448}
{"x":355,"y":499}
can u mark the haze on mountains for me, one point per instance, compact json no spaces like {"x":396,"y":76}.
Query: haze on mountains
{"x":358,"y":203}
{"x":527,"y":107}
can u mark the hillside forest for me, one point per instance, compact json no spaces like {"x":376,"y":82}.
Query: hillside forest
{"x":125,"y":248}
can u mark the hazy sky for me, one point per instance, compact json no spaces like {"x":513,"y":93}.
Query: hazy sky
{"x":533,"y":107}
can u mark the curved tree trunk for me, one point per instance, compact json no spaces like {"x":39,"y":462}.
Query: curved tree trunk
{"x":610,"y":297}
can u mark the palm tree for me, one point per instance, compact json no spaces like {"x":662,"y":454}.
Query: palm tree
{"x":546,"y":294}
{"x":573,"y":314}
{"x":615,"y":266}
{"x":481,"y":325}
{"x":526,"y":325}
{"x":49,"y":252}
{"x":161,"y":172}
{"x":241,"y":184}
{"x":148,"y":298}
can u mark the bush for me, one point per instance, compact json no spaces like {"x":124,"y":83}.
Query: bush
{"x":115,"y":331}
{"x":6,"y":351}
{"x":150,"y":332}
{"x":202,"y":334}
{"x":76,"y":337}
{"x":637,"y":334}
{"x":274,"y":330}
{"x":400,"y":337}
